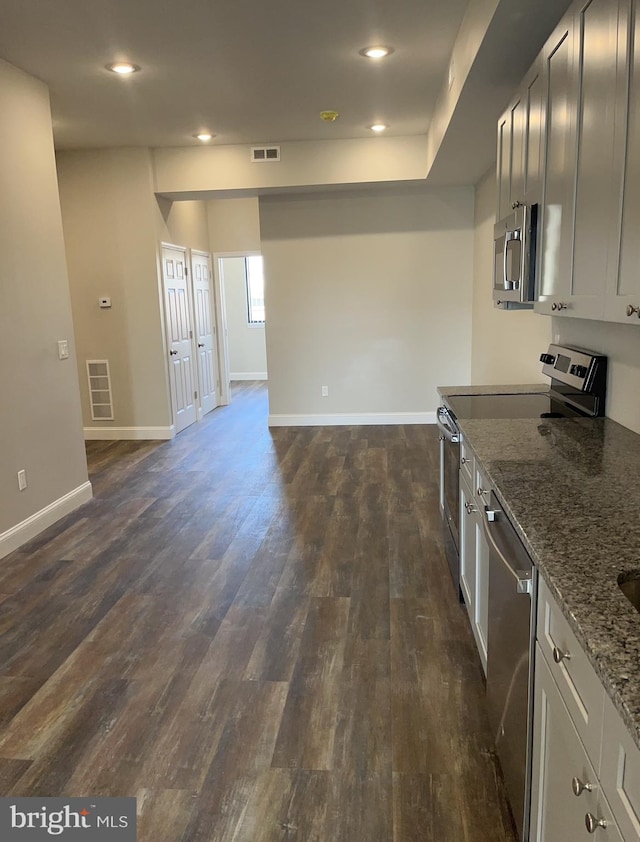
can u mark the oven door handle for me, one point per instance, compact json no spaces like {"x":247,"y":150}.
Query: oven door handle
{"x":446,"y":426}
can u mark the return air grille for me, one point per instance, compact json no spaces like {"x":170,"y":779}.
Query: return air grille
{"x":262,"y":154}
{"x":100,"y":390}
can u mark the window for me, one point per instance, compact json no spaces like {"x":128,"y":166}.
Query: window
{"x":255,"y":289}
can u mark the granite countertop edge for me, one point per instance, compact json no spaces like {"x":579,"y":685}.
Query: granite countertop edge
{"x":570,"y":548}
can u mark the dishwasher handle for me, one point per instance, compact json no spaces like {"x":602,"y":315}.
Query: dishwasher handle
{"x":524,"y":578}
{"x":447,"y":426}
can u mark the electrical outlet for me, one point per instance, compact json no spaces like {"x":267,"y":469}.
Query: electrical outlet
{"x":325,"y":391}
{"x":63,"y":349}
{"x":22,"y":480}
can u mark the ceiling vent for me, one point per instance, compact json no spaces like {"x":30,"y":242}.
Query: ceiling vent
{"x":261,"y":154}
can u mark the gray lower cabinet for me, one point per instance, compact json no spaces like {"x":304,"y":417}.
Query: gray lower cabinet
{"x":560,"y":763}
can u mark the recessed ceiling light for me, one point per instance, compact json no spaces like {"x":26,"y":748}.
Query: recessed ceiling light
{"x":123,"y":68}
{"x":378,"y":127}
{"x":204,"y":136}
{"x":378,"y":51}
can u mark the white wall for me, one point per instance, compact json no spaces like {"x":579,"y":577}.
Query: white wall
{"x":370,"y":295}
{"x":234,"y":225}
{"x":506,"y":344}
{"x":40,"y":409}
{"x":247,"y":351}
{"x":110,"y":222}
{"x":183,"y":224}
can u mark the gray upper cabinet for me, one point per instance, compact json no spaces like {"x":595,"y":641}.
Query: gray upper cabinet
{"x":623,"y":290}
{"x":581,"y":156}
{"x":520,"y":145}
{"x":555,"y":254}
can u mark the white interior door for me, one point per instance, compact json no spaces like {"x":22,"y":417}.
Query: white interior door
{"x":179,"y":336}
{"x":205,"y":331}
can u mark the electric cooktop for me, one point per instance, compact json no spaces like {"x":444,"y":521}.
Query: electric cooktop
{"x":538,"y":405}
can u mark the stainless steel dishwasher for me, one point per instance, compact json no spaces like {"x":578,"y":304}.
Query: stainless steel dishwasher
{"x":511,"y":634}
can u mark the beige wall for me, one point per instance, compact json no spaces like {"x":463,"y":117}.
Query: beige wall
{"x":247,"y":351}
{"x":234,"y":225}
{"x":621,"y":343}
{"x":302,"y":164}
{"x":506,"y":344}
{"x":183,"y":224}
{"x":111,"y":228}
{"x":369,"y":294}
{"x":40,"y":408}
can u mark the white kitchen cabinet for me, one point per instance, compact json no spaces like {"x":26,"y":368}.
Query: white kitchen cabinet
{"x":555,"y":253}
{"x":520,"y":145}
{"x":474,"y":570}
{"x":586,"y":62}
{"x":468,"y":518}
{"x":481,"y":603}
{"x":620,"y":773}
{"x":623,"y":293}
{"x":559,"y":757}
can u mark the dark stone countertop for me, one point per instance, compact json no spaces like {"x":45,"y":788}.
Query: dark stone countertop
{"x":571,"y":487}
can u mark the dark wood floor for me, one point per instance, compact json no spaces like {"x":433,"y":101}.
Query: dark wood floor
{"x":256,"y":634}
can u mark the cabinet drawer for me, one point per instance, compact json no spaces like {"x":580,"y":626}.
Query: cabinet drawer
{"x":466,"y":460}
{"x":577,"y":681}
{"x":620,"y":773}
{"x":558,"y":810}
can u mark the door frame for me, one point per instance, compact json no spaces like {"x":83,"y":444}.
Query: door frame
{"x":214,"y":318}
{"x":221,"y":318}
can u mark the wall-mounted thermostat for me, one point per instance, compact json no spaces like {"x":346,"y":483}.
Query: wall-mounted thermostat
{"x":105,"y":303}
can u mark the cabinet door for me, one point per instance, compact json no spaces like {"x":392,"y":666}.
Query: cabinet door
{"x":601,"y":62}
{"x":625,"y":292}
{"x":518,"y":119}
{"x":468,"y":512}
{"x":556,"y":251}
{"x":558,"y":757}
{"x":535,"y":99}
{"x":503,"y":166}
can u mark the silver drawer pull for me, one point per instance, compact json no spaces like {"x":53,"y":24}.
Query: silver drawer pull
{"x":579,"y":787}
{"x":593,"y":823}
{"x":463,"y":460}
{"x":470,"y":508}
{"x":559,"y":656}
{"x":481,"y":491}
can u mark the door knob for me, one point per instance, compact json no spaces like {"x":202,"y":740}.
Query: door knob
{"x":593,"y":823}
{"x":200,"y":344}
{"x":631,"y":310}
{"x":559,"y":656}
{"x":172,"y":353}
{"x":579,"y":787}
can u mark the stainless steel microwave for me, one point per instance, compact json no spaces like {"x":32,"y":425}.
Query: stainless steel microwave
{"x":514,"y":265}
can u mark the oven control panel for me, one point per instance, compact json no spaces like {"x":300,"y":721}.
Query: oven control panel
{"x":575,"y":367}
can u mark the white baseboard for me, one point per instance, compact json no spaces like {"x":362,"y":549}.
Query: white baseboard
{"x":129,"y":433}
{"x":248,"y":375}
{"x":352,"y":419}
{"x":38,"y":522}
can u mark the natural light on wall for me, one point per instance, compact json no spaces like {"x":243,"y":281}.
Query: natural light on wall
{"x":255,"y":289}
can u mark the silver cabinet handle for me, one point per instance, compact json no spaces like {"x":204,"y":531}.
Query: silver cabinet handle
{"x":562,"y":306}
{"x":441,"y":437}
{"x":579,"y":787}
{"x":481,"y":491}
{"x":554,"y":306}
{"x":463,"y":460}
{"x":470,"y":508}
{"x":559,"y":656}
{"x":593,"y":823}
{"x":631,"y":310}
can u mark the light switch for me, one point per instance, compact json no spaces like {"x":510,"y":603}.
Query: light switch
{"x":105,"y":302}
{"x":63,"y":349}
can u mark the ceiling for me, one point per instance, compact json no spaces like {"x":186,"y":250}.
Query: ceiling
{"x":249,"y":71}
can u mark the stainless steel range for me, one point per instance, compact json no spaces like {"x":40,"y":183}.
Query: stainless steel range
{"x":578,"y":387}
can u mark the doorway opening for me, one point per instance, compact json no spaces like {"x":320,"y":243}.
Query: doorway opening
{"x":240,"y":291}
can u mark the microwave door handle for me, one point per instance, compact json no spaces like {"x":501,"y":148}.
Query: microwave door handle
{"x":508,"y":237}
